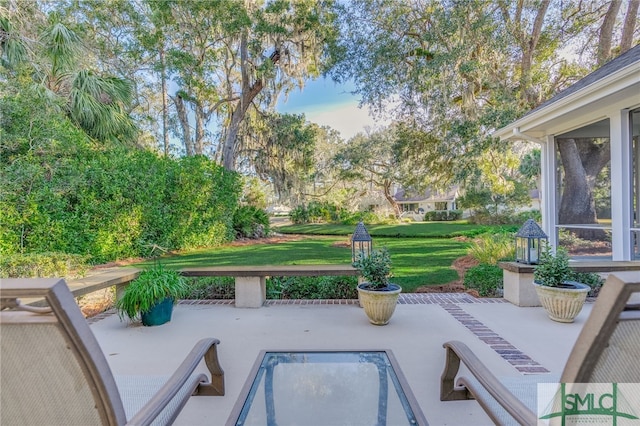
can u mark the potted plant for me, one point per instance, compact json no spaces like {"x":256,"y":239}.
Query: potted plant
{"x":561,"y":298}
{"x":152,"y":296}
{"x":377,"y":295}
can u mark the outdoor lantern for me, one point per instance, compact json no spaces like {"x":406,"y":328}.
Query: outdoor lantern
{"x":529,"y":242}
{"x":361,"y":242}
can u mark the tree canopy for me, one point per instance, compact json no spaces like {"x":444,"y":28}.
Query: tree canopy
{"x":202,"y":78}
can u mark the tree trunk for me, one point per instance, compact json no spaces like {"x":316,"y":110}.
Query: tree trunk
{"x":606,"y":32}
{"x":249,"y":92}
{"x":387,"y":194}
{"x":184,"y":123}
{"x":582,"y":160}
{"x":200,"y":129}
{"x":629,"y":26}
{"x":165,"y":108}
{"x":528,"y":49}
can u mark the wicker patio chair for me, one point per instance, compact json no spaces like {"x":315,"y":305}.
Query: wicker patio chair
{"x":53,"y":372}
{"x":606,"y":351}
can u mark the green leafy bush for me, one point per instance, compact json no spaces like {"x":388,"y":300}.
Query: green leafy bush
{"x":552,"y":269}
{"x":250,"y":222}
{"x":591,"y":279}
{"x":486,"y":279}
{"x":330,"y":287}
{"x":211,"y":288}
{"x":442,"y":215}
{"x":62,"y":192}
{"x":43,"y":265}
{"x":375,"y":268}
{"x":492,"y":248}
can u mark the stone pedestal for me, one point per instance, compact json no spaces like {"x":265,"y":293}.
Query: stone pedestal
{"x":251,"y":292}
{"x":518,"y":284}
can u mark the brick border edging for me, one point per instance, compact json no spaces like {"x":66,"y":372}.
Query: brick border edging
{"x":514,"y":356}
{"x":403,"y":299}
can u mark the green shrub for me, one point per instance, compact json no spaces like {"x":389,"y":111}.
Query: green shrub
{"x":43,"y":265}
{"x":522,"y":217}
{"x":553,"y":268}
{"x":364,"y":216}
{"x":109,"y":202}
{"x":299,"y":215}
{"x":486,"y":279}
{"x":492,"y":248}
{"x":375,"y":268}
{"x":330,"y":287}
{"x":591,"y":279}
{"x":442,"y":215}
{"x":250,"y":222}
{"x":211,"y":288}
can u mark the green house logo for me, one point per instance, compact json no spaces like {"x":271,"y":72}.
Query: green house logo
{"x":588,"y":403}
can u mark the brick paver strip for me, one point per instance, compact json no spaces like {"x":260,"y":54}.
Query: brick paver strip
{"x":521,"y":362}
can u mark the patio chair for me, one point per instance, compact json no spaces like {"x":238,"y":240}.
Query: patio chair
{"x":606,"y":351}
{"x":54,"y":372}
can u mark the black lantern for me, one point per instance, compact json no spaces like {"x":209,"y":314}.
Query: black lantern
{"x":361,"y":242}
{"x":529,"y":243}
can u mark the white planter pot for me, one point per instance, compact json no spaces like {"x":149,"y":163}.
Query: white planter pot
{"x":561,"y":303}
{"x":379,"y":305}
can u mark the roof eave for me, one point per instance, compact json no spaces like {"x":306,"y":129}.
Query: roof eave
{"x":610,"y":84}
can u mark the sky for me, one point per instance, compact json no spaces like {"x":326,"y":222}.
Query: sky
{"x":328,"y":104}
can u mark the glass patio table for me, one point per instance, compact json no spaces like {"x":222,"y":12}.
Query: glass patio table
{"x":326,"y":388}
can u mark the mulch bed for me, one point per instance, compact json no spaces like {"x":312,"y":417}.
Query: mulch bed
{"x":461,"y":265}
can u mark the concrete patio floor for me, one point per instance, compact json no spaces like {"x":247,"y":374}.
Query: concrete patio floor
{"x":512,"y":340}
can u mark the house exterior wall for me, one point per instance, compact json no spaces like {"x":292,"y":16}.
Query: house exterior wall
{"x":607,"y":94}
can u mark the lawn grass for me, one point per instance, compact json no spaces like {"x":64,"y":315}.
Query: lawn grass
{"x":402,"y":230}
{"x":415,"y":261}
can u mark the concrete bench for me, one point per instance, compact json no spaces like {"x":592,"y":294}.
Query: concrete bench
{"x":118,"y":277}
{"x":250,"y":281}
{"x":518,"y":277}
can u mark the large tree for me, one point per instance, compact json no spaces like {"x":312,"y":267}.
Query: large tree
{"x":460,"y":70}
{"x":202,"y":67}
{"x":283,"y":154}
{"x":368,"y":158}
{"x":228,"y":57}
{"x":583,"y":159}
{"x":53,"y":55}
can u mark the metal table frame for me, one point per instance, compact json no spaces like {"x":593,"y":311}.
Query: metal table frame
{"x":276,"y":357}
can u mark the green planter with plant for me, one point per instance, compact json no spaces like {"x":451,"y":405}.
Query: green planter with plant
{"x":562,"y":299}
{"x":152,"y":295}
{"x":377,"y":295}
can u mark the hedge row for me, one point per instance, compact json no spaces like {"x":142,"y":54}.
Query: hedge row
{"x":443,"y":215}
{"x":61,"y":192}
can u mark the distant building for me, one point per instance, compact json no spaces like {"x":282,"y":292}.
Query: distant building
{"x":415,"y":206}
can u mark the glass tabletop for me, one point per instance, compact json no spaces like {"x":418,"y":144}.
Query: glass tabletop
{"x":326,"y":388}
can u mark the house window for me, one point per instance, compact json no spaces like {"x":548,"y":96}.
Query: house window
{"x":441,"y":205}
{"x":584,"y":190}
{"x":410,"y":207}
{"x":634,"y":119}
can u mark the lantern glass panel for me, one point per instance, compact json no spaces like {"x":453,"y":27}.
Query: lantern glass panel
{"x":361,"y":242}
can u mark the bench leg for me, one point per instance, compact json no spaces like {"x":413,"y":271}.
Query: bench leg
{"x":120,"y":288}
{"x":251,"y":292}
